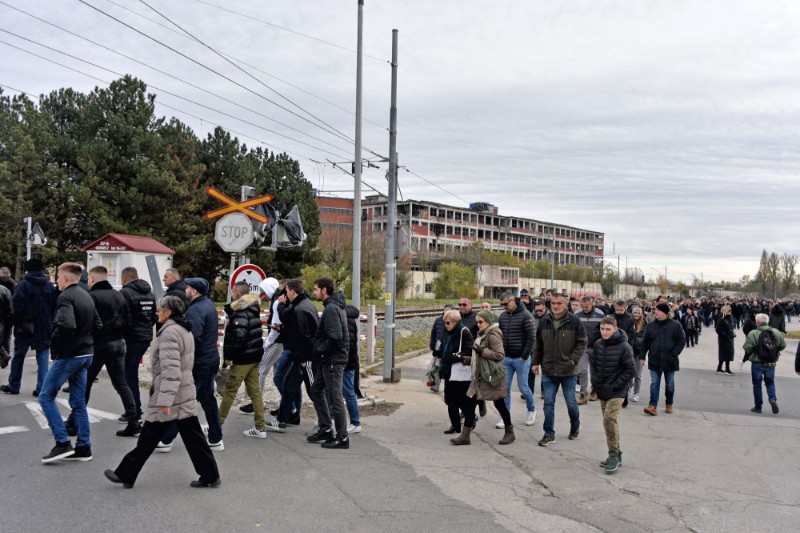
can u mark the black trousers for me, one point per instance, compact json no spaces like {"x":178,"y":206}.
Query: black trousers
{"x":196,"y":444}
{"x":500,"y":405}
{"x":112,"y":355}
{"x":455,"y":396}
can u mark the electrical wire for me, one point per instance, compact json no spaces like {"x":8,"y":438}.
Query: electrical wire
{"x":23,"y":93}
{"x":153,"y":86}
{"x":437,"y":186}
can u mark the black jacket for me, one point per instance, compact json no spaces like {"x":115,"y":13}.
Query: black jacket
{"x":113,"y":311}
{"x":437,"y":336}
{"x":300,"y":329}
{"x":353,"y":314}
{"x":591,"y":324}
{"x":518,"y":332}
{"x":612,"y":366}
{"x":8,"y":282}
{"x":332,"y":341}
{"x":178,"y":289}
{"x":664,"y":340}
{"x":142,"y":310}
{"x":6,"y":318}
{"x":625,"y":323}
{"x":457,"y":347}
{"x":243,"y":343}
{"x":34,"y":304}
{"x":470,"y":321}
{"x":75,"y":321}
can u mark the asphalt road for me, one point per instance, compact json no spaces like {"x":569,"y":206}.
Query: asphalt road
{"x":711,"y":466}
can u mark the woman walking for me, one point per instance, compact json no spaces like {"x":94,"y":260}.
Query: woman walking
{"x":457,"y":376}
{"x":489,"y":347}
{"x":172,"y":397}
{"x":639,"y":325}
{"x":725,"y":337}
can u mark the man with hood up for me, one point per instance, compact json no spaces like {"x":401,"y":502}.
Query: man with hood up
{"x":34,"y":310}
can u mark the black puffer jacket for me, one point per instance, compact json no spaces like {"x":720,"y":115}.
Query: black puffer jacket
{"x":625,"y":323}
{"x":75,"y":321}
{"x":470,"y":321}
{"x":664,"y":340}
{"x":178,"y":289}
{"x":353,"y":314}
{"x":332,"y":341}
{"x":612,"y":366}
{"x":243,"y":343}
{"x":142,"y":309}
{"x":113,"y":311}
{"x":591,"y":324}
{"x":519,"y":333}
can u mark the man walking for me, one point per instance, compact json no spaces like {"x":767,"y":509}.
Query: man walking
{"x":72,"y":347}
{"x":175,"y":285}
{"x":141,"y":316}
{"x":516,"y":323}
{"x":664,"y":341}
{"x":6,"y":324}
{"x":763,"y":347}
{"x":34,"y":299}
{"x":591,"y":318}
{"x":560,"y":344}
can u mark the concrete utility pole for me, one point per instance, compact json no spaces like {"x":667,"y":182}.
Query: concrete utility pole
{"x":390,"y":373}
{"x":356,"y":277}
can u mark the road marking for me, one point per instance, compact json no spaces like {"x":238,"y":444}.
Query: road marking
{"x":12,"y":429}
{"x":36,"y":411}
{"x":94,"y":414}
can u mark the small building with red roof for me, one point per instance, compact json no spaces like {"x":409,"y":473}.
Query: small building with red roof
{"x":116,"y":251}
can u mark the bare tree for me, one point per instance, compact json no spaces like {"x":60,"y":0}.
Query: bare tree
{"x":788,"y":274}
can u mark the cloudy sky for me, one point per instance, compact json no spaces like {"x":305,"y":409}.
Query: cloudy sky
{"x":672,"y":126}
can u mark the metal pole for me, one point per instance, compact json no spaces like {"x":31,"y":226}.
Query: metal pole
{"x":371,"y":332}
{"x":389,"y":372}
{"x":356,"y":277}
{"x":28,"y":239}
{"x":553,"y":269}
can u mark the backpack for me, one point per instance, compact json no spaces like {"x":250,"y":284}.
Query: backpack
{"x":767,"y":347}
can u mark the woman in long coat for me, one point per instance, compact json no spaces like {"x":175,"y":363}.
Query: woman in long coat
{"x":172,"y":398}
{"x":725,"y":337}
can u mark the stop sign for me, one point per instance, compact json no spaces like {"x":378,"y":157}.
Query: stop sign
{"x":234,"y":232}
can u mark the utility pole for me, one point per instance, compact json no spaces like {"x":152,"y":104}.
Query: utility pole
{"x":356,"y":277}
{"x":391,"y":374}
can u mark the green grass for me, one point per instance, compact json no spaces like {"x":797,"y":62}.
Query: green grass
{"x":416,"y":341}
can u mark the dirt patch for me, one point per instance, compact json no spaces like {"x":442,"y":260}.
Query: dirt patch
{"x":380,"y":409}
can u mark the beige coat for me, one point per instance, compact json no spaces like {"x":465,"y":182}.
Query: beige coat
{"x":173,"y":384}
{"x":492,"y":341}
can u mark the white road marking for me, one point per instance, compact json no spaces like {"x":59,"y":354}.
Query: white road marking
{"x":94,"y":414}
{"x":12,"y":429}
{"x":36,"y":411}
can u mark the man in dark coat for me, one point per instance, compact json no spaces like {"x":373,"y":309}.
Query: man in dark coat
{"x":6,"y":324}
{"x":175,"y":285}
{"x":34,"y":307}
{"x":141,"y":315}
{"x":664,"y":341}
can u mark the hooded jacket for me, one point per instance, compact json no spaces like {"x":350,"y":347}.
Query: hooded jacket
{"x":202,"y":315}
{"x":331,"y":342}
{"x":243,"y":343}
{"x":113,"y":311}
{"x":353,"y":314}
{"x":301,"y":324}
{"x":518,"y":332}
{"x":664,"y":340}
{"x":612,"y":366}
{"x":141,"y":309}
{"x":560,"y":343}
{"x":34,"y":301}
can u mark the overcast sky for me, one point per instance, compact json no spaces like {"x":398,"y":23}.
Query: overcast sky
{"x":671,"y":126}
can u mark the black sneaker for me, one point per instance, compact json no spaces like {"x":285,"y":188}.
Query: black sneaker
{"x":8,"y":390}
{"x":274,"y":412}
{"x":574,"y":434}
{"x":342,"y":444}
{"x":321,"y":436}
{"x":247,"y":409}
{"x":70,"y":426}
{"x":546,"y":440}
{"x":294,"y":421}
{"x":125,"y":419}
{"x":131,"y":430}
{"x":59,"y":451}
{"x":201,"y":485}
{"x":755,"y":409}
{"x":482,"y":409}
{"x":36,"y":393}
{"x":65,"y":389}
{"x":113,"y":478}
{"x":774,"y":405}
{"x":82,"y":453}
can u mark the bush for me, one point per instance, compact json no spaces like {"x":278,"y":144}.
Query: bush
{"x":455,"y":281}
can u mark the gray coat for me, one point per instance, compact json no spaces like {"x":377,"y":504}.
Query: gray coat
{"x":173,"y":384}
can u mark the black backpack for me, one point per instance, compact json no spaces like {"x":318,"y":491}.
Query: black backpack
{"x":767,"y":348}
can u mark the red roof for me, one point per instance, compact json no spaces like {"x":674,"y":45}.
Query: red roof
{"x":116,"y":242}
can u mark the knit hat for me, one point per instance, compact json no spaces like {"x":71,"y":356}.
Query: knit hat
{"x":664,"y":308}
{"x":33,"y":265}
{"x":269,"y":286}
{"x":487,"y":317}
{"x":198,"y":284}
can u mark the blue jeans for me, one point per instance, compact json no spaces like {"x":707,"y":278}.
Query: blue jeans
{"x":279,"y":378}
{"x":349,"y":393}
{"x":15,"y":375}
{"x":61,"y":371}
{"x":567,"y":384}
{"x":760,"y":371}
{"x":290,"y":395}
{"x":655,"y":387}
{"x":204,"y":387}
{"x":134,"y":351}
{"x":522,"y":368}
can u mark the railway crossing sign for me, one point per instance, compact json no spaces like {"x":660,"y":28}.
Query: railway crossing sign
{"x":241,"y":207}
{"x":234,"y":232}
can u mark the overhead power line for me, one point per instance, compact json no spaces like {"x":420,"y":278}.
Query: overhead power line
{"x":23,"y":93}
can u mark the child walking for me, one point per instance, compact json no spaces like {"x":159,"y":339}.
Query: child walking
{"x":612,"y":370}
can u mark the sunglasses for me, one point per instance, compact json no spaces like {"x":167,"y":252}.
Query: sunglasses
{"x":504,"y":304}
{"x":448,"y":322}
{"x":480,"y":321}
{"x":463,"y":305}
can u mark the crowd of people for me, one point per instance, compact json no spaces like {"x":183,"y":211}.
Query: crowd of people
{"x":591,"y":351}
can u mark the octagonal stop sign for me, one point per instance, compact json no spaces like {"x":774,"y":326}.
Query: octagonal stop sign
{"x":234,"y":232}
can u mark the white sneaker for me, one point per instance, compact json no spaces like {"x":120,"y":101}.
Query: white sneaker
{"x":216,"y":446}
{"x":255,"y":432}
{"x":353,"y":429}
{"x":531,"y":418}
{"x":635,"y":398}
{"x":163,"y":448}
{"x":204,"y":427}
{"x":500,"y":425}
{"x":313,"y":430}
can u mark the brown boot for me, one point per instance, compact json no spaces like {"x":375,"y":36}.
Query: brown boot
{"x":593,"y":397}
{"x":583,"y":398}
{"x":668,"y":410}
{"x":508,"y":437}
{"x":463,"y":438}
{"x":650,"y":410}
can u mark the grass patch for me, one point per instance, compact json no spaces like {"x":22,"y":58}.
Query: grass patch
{"x":412,"y":343}
{"x":792,"y":335}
